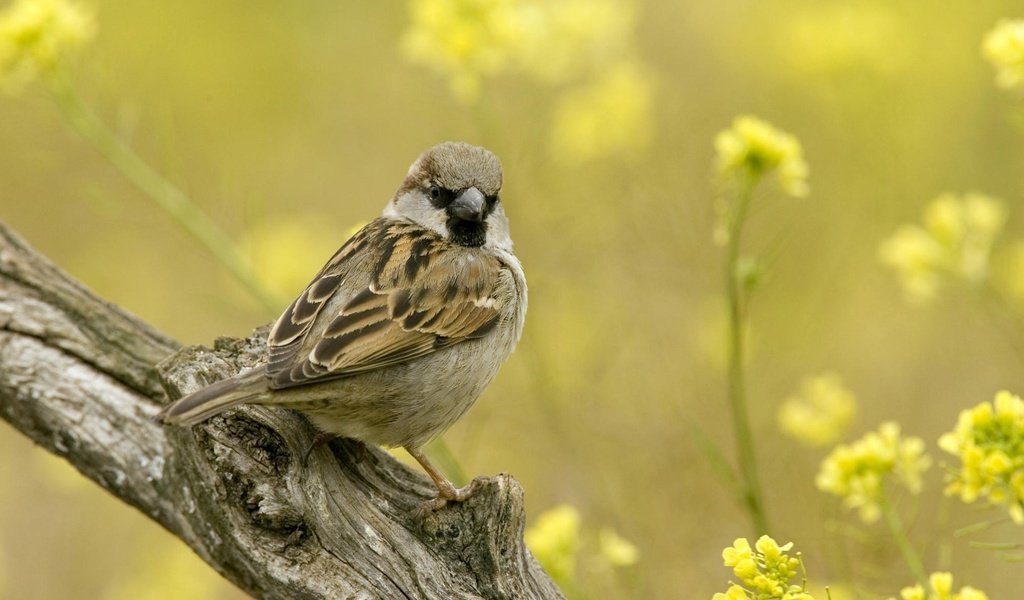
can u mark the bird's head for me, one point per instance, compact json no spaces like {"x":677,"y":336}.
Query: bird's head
{"x":453,"y":189}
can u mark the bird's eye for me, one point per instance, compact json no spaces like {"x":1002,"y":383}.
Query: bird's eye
{"x":435,"y":192}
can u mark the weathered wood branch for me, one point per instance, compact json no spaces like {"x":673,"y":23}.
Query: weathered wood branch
{"x":83,"y":379}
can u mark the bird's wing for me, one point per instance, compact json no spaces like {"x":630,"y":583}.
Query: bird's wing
{"x":418,"y":294}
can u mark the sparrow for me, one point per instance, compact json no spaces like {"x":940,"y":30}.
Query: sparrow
{"x":405,"y":326}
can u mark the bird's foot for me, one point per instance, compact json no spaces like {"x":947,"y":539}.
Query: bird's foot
{"x":450,"y":493}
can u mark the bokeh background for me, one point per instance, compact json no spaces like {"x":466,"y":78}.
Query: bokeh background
{"x":290,"y":123}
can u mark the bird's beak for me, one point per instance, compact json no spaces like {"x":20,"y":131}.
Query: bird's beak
{"x":469,"y":205}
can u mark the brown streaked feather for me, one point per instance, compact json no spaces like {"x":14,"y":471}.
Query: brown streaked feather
{"x":421,"y":295}
{"x":297,"y":319}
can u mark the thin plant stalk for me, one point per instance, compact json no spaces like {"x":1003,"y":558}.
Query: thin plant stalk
{"x":735,"y":298}
{"x":721,"y":466}
{"x":163,"y":193}
{"x":899,"y":534}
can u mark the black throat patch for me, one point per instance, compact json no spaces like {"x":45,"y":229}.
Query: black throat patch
{"x":467,"y":233}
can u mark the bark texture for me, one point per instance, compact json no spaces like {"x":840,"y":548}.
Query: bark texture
{"x":83,"y":379}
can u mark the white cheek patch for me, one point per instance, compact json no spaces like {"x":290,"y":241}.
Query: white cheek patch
{"x":497,"y":230}
{"x":414,"y":206}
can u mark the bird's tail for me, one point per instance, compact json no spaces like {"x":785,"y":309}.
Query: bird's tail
{"x":215,"y":398}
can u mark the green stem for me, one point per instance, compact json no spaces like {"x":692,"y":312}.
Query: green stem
{"x":899,"y":534}
{"x":164,"y":194}
{"x":752,"y":496}
{"x":995,"y":545}
{"x":714,"y":456}
{"x":976,"y":527}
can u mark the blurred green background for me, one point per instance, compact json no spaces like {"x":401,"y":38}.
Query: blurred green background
{"x":290,"y":123}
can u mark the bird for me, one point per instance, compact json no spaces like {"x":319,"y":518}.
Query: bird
{"x":404,"y":327}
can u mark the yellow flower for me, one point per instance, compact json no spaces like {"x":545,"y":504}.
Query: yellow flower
{"x":820,"y":413}
{"x":989,"y":439}
{"x":555,"y":541}
{"x":916,"y":258}
{"x":1003,"y":46}
{"x":753,"y":147}
{"x":941,"y":585}
{"x":765,"y":570}
{"x":954,"y":243}
{"x":37,"y":35}
{"x":616,"y":550}
{"x":739,"y":552}
{"x":562,"y":41}
{"x":915,"y":592}
{"x":967,"y":227}
{"x":607,"y":116}
{"x":466,"y":40}
{"x":825,"y":38}
{"x":471,"y":40}
{"x":585,"y":45}
{"x":734,"y":592}
{"x":856,"y":472}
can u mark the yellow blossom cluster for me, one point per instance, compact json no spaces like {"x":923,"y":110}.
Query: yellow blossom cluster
{"x":583,"y":47}
{"x":820,"y":413}
{"x":857,"y":472}
{"x":466,"y":40}
{"x":941,"y":585}
{"x":1003,"y":46}
{"x":829,"y":37}
{"x":36,"y":35}
{"x":764,"y":571}
{"x":556,"y":540}
{"x":752,"y":147}
{"x":563,"y":41}
{"x":955,"y":242}
{"x":615,"y":549}
{"x":470,"y":40}
{"x":989,"y":439}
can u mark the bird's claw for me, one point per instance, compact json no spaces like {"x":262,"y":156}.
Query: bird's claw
{"x":451,"y":494}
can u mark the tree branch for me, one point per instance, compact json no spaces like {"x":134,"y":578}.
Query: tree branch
{"x":83,"y":379}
